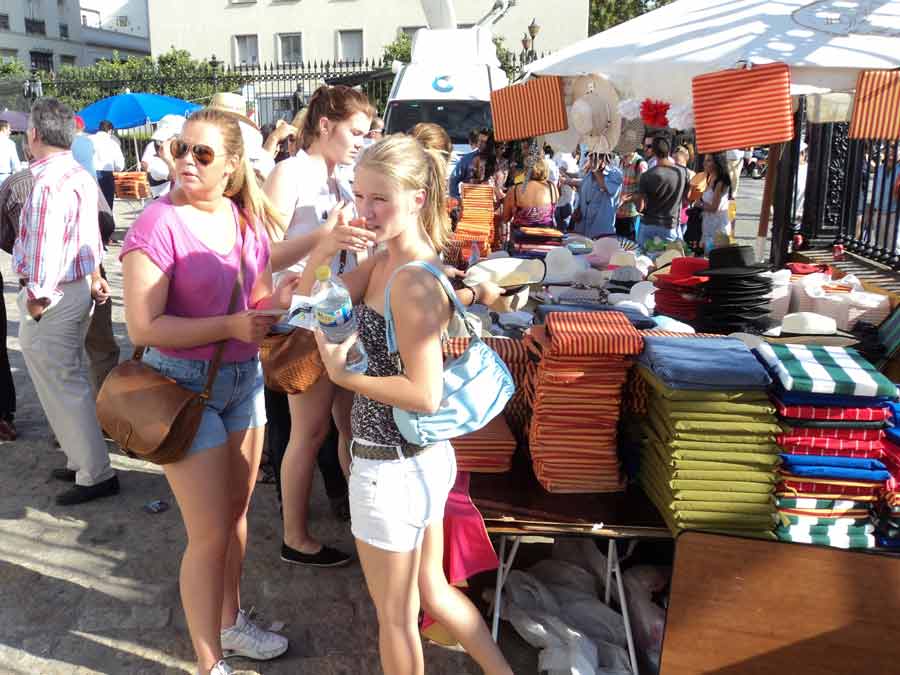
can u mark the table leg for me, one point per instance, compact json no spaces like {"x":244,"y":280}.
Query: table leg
{"x":502,"y":573}
{"x":616,"y":570}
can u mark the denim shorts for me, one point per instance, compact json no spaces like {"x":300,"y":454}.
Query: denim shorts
{"x":392,"y":502}
{"x":236,"y":402}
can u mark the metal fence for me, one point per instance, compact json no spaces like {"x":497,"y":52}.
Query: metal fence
{"x":870,"y":222}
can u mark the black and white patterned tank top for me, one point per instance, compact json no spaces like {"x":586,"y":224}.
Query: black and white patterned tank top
{"x":370,"y":420}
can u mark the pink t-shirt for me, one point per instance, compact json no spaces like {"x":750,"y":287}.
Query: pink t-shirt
{"x":200,"y":280}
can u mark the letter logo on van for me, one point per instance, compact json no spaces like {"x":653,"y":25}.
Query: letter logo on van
{"x":442,"y":84}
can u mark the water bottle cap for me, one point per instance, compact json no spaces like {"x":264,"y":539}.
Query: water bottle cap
{"x":323,"y":273}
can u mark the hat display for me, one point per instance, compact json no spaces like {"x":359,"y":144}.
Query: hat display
{"x":623,"y":259}
{"x":595,"y":113}
{"x":734,"y":261}
{"x":506,"y":272}
{"x":736,"y":293}
{"x":683,"y":272}
{"x":811,"y":329}
{"x":232,"y":104}
{"x":168,"y":126}
{"x":561,"y":266}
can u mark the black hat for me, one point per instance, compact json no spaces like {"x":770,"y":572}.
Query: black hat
{"x":734,"y":261}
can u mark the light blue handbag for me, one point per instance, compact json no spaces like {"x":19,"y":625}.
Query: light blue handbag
{"x":477,"y":384}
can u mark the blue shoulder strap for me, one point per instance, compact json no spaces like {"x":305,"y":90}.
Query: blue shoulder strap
{"x":390,"y":331}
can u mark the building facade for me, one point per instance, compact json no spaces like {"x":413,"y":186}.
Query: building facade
{"x":289,"y":31}
{"x":47,"y":34}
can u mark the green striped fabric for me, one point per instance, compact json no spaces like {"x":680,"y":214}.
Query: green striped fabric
{"x":826,"y":504}
{"x":819,"y":369}
{"x":812,"y":521}
{"x":889,"y":334}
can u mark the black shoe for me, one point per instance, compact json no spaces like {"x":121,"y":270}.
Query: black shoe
{"x":326,"y":557}
{"x":340,"y":508}
{"x":85,"y":493}
{"x":65,"y":475}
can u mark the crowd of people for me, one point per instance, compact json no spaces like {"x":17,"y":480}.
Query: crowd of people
{"x":234,"y":235}
{"x":650,"y":195}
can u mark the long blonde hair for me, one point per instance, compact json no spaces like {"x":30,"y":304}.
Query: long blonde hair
{"x":243,"y":186}
{"x":411,"y":166}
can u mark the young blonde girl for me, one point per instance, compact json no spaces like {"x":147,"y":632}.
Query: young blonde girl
{"x":398,"y":491}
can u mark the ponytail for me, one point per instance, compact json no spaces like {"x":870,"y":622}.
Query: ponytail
{"x":435,"y":219}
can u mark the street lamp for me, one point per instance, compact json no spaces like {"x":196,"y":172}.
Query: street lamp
{"x":529,"y":39}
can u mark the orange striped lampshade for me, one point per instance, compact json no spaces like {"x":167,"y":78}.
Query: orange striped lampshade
{"x":876,"y":110}
{"x":531,"y":109}
{"x":743,"y":108}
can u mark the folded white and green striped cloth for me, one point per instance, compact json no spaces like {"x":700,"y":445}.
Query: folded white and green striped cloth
{"x":819,"y":369}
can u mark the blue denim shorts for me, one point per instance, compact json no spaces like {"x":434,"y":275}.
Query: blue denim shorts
{"x":236,"y":402}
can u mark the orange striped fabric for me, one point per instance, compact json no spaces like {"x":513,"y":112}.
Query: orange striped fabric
{"x":742,"y":108}
{"x":588,"y":333}
{"x":534,"y":108}
{"x":876,"y":108}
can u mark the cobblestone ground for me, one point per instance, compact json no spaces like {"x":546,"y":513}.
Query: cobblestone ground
{"x":93,"y":588}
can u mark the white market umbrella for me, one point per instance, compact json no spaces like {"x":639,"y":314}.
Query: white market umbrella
{"x":657,"y":54}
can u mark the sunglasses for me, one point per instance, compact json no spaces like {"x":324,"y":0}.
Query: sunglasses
{"x":204,"y":154}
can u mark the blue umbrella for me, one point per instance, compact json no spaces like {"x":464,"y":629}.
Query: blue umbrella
{"x":133,"y":110}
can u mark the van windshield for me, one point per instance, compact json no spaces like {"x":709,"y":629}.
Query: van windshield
{"x":457,"y":117}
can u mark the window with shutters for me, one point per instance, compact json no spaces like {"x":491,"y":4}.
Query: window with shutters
{"x":291,"y":46}
{"x":246,"y":50}
{"x":350,"y":45}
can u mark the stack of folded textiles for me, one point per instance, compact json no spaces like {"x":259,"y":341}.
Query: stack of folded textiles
{"x":710,"y":456}
{"x":575,"y":393}
{"x":535,"y":241}
{"x":491,"y":449}
{"x":886,"y":512}
{"x":833,"y":405}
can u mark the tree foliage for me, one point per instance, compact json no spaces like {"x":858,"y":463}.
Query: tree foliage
{"x":174,"y":73}
{"x":608,"y":13}
{"x":12,"y":68}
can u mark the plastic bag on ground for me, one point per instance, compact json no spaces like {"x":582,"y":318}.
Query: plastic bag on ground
{"x":564,"y":573}
{"x":648,"y":620}
{"x":585,"y":554}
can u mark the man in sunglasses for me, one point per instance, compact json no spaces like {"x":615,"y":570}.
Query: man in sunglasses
{"x":57,"y":256}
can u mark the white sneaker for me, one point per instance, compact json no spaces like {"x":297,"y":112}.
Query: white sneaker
{"x":221,"y":668}
{"x":247,"y":639}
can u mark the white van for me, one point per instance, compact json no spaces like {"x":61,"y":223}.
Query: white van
{"x":448,"y":82}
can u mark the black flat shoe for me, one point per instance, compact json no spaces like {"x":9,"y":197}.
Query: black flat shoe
{"x":65,"y":475}
{"x":80,"y":494}
{"x":326,"y":557}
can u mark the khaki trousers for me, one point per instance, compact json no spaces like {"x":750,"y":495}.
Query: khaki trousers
{"x":54,"y":354}
{"x":102,"y":348}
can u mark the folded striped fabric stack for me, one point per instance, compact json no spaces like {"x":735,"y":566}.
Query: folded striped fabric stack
{"x":833,"y":406}
{"x":575,"y":393}
{"x":709,"y":459}
{"x":491,"y":449}
{"x":535,"y":241}
{"x":886,"y":512}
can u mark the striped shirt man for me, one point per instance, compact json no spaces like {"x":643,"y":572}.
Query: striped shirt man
{"x":59,"y":234}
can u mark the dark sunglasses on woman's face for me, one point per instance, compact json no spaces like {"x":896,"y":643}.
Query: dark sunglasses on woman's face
{"x":204,"y":154}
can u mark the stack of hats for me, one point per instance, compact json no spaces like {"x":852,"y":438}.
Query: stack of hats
{"x":736,"y":291}
{"x":575,"y":392}
{"x":709,"y":458}
{"x":678,"y":288}
{"x":833,"y":407}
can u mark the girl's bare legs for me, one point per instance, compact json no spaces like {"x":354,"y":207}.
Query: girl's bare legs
{"x":245,"y":449}
{"x":198,"y":482}
{"x":391,"y":579}
{"x":309,"y":426}
{"x":452,"y":609}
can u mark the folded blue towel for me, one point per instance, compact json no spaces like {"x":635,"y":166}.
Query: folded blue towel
{"x":710,"y":364}
{"x":837,"y":472}
{"x":793,"y":461}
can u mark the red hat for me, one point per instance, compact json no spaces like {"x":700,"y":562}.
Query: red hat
{"x":79,"y":123}
{"x":683,"y":272}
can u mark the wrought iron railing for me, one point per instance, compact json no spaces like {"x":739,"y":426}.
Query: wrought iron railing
{"x":870,"y":222}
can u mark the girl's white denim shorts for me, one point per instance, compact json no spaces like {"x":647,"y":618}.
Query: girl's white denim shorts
{"x":393,"y":501}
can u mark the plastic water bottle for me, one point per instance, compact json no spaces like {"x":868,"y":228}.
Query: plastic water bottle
{"x":334,"y":312}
